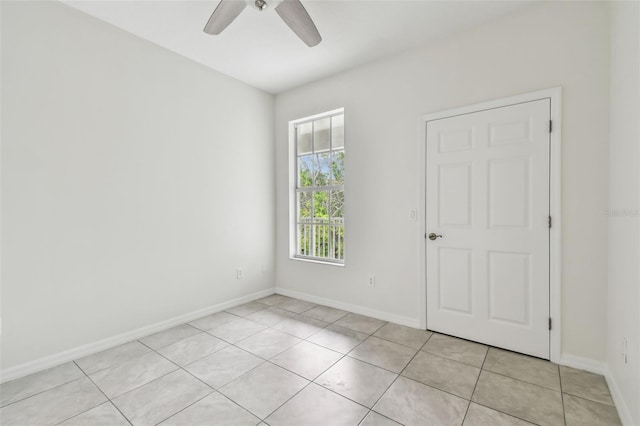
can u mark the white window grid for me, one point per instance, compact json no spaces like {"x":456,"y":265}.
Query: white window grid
{"x":312,"y":228}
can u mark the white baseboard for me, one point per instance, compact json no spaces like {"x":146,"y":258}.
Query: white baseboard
{"x":581,"y":363}
{"x":69,"y":355}
{"x":358,"y":309}
{"x":624,"y":412}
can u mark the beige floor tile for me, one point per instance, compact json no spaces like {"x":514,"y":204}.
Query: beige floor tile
{"x":412,"y":403}
{"x":360,"y":323}
{"x":102,"y":415}
{"x":520,"y":399}
{"x":213,"y":409}
{"x":442,"y":373}
{"x":110,"y":357}
{"x":375,"y":419}
{"x":192,"y":348}
{"x":523,"y":367}
{"x":385,"y":354}
{"x":167,"y":337}
{"x":296,"y":305}
{"x":407,"y":336}
{"x":357,"y":380}
{"x":124,"y":377}
{"x":274,"y":299}
{"x":154,"y":402}
{"x":25,"y":387}
{"x":236,"y":330}
{"x":584,"y":412}
{"x":213,"y":321}
{"x":300,"y":326}
{"x":585,"y":385}
{"x":270,"y":316}
{"x":456,"y":349}
{"x":261,"y":368}
{"x":54,"y":405}
{"x":325,"y":313}
{"x":315,"y":406}
{"x":307,"y":359}
{"x":247,"y":308}
{"x":338,"y":338}
{"x":264,"y":389}
{"x":268,"y":343}
{"x":223,"y":366}
{"x":477,"y":415}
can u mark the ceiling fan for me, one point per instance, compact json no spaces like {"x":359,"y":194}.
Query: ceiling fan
{"x":292,"y":13}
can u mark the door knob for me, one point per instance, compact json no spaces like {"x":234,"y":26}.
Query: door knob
{"x":433,"y":236}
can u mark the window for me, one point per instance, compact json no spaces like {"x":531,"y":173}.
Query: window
{"x":319,"y":190}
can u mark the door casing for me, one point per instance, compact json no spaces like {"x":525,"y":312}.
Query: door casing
{"x":555,"y":203}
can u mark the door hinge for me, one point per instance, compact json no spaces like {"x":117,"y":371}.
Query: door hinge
{"x":549,"y":221}
{"x":550,"y":126}
{"x":549,"y":323}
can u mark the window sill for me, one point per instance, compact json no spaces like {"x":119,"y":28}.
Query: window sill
{"x":320,"y":261}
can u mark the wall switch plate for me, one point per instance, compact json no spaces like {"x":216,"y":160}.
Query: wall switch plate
{"x":413,"y":214}
{"x":239,"y":273}
{"x":625,"y":350}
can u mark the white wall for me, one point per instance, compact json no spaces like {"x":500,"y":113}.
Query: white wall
{"x":623,"y":320}
{"x":555,"y":44}
{"x":134,"y":181}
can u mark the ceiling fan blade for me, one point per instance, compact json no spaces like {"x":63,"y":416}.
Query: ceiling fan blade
{"x":225,"y":13}
{"x":296,"y":17}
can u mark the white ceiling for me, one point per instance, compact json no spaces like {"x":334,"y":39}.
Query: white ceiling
{"x":259,"y":49}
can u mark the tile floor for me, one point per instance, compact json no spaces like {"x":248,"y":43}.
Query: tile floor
{"x":281,"y":361}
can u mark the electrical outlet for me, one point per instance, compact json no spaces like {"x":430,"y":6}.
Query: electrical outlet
{"x":625,"y":348}
{"x":413,"y":214}
{"x":239,"y":273}
{"x":372,"y":281}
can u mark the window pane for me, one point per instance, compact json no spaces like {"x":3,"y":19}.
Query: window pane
{"x":322,"y":240}
{"x":337,"y":225}
{"x":304,"y":206}
{"x":304,"y":139}
{"x":337,"y":205}
{"x":321,"y":130}
{"x":323,"y":174}
{"x":304,"y":239}
{"x":337,"y":131}
{"x":337,"y":168}
{"x":321,"y":206}
{"x":307,"y":168}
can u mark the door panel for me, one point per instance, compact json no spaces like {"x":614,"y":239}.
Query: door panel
{"x":455,"y":201}
{"x":455,"y":280}
{"x":488,"y":196}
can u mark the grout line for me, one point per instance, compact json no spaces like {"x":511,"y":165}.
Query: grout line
{"x":396,"y":378}
{"x":105,"y":395}
{"x":564,"y":414}
{"x":185,"y":370}
{"x":301,"y":316}
{"x":181,"y":410}
{"x":486,"y":354}
{"x":42,"y":391}
{"x":498,"y":374}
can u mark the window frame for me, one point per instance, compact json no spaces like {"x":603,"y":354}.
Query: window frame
{"x":295,"y":189}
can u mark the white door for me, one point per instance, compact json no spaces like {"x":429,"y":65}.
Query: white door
{"x":487,"y":195}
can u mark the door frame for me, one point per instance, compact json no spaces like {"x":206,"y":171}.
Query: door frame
{"x":555,"y":203}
